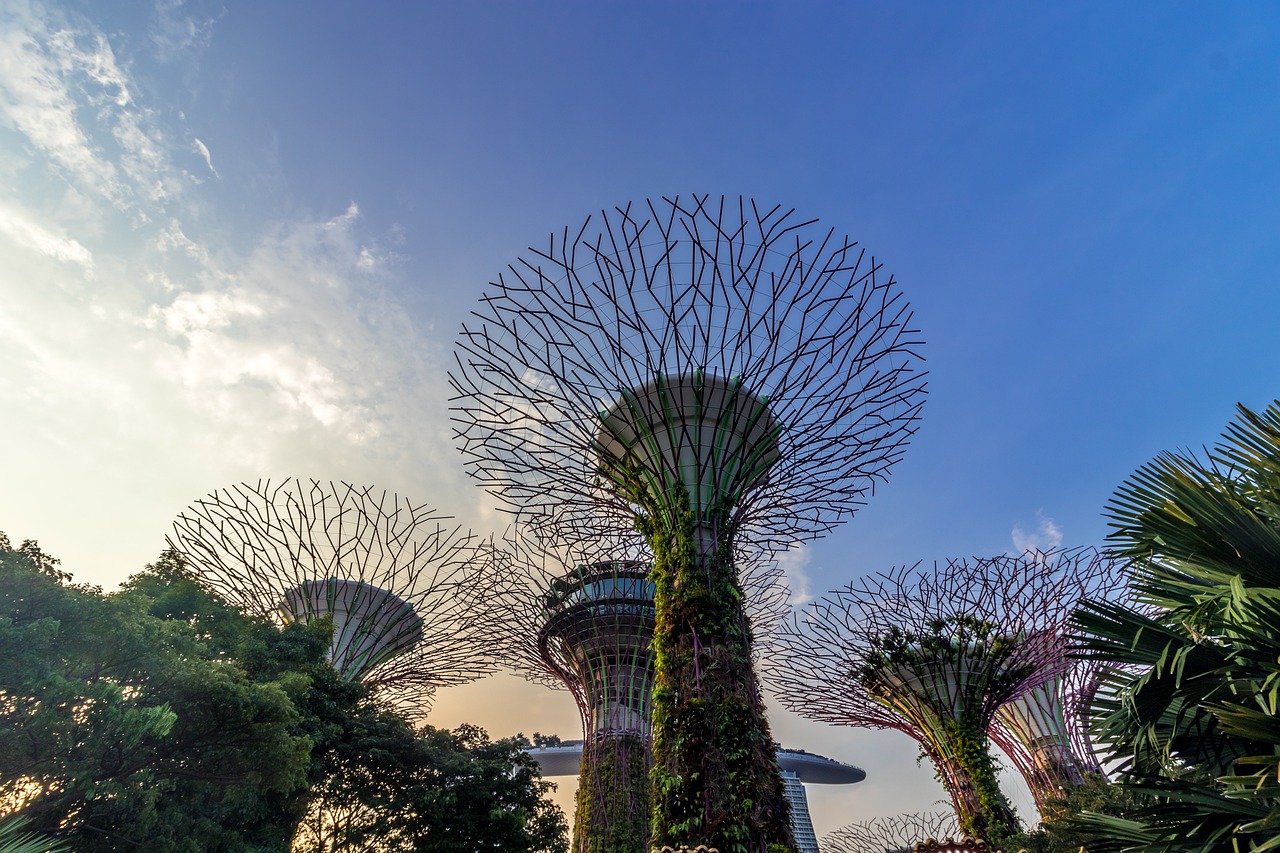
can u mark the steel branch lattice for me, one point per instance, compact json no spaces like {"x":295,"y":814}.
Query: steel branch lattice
{"x":808,"y":322}
{"x":896,"y":834}
{"x":301,"y":548}
{"x":520,"y":572}
{"x":819,"y":660}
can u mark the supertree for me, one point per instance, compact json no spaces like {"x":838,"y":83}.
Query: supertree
{"x":1044,"y":734}
{"x":702,"y":370}
{"x":583,"y":619}
{"x":396,"y":580}
{"x":936,"y":654}
{"x":895,"y":834}
{"x":1042,"y":729}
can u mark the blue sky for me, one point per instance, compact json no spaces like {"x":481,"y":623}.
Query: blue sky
{"x":237,"y":240}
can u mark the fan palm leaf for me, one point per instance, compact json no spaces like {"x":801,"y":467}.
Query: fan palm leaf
{"x":1191,"y":673}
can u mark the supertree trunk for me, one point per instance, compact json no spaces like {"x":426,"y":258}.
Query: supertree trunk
{"x":713,"y":753}
{"x":612,"y":805}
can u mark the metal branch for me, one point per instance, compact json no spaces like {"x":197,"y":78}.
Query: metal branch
{"x":804,"y":319}
{"x":896,"y":834}
{"x":397,"y":578}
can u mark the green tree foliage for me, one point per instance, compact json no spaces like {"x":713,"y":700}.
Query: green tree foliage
{"x":385,"y":787}
{"x":120,"y":727}
{"x":1058,"y":832}
{"x":159,"y":719}
{"x":1187,"y":709}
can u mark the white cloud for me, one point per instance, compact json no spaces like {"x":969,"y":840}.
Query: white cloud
{"x":63,"y":89}
{"x":26,"y":232}
{"x":1046,"y":536}
{"x":36,"y":99}
{"x":795,"y":564}
{"x":203,"y":151}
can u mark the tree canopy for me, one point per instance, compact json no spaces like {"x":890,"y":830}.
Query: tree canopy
{"x":159,"y":718}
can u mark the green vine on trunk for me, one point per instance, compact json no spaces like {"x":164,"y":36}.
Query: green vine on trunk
{"x":715,"y":777}
{"x":613,"y":801}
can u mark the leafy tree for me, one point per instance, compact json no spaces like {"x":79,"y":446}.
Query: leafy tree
{"x":387,"y":787}
{"x":1057,"y":832}
{"x":123,"y":728}
{"x":1187,"y":708}
{"x":161,"y":719}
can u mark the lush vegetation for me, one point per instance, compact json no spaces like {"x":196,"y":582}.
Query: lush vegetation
{"x":158,"y":718}
{"x":715,"y":776}
{"x":1187,"y":711}
{"x":948,"y":679}
{"x":613,"y":807}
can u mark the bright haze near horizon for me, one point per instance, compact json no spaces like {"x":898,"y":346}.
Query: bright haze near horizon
{"x":238,"y":240}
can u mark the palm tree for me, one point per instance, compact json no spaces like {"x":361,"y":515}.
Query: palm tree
{"x":1190,"y":682}
{"x":14,"y":840}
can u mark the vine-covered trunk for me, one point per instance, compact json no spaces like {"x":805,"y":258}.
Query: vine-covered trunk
{"x":968,"y":772}
{"x":715,"y":773}
{"x":612,"y":803}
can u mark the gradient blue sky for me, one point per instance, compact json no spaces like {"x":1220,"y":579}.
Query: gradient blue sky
{"x":237,"y":240}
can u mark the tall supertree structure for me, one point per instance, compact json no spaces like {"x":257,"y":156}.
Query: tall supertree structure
{"x":394,"y":577}
{"x":1044,"y":735}
{"x":706,"y":371}
{"x":896,"y":834}
{"x":584,"y":620}
{"x":937,"y":655}
{"x":1042,"y":730}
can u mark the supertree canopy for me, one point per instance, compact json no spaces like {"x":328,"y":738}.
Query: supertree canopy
{"x":1044,"y":734}
{"x":702,"y":370}
{"x":937,"y":655}
{"x":896,"y":834}
{"x":584,"y":620}
{"x":396,"y":580}
{"x":1042,"y":730}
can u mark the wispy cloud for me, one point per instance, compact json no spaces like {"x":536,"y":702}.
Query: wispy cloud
{"x":173,"y":31}
{"x":203,"y":151}
{"x":63,"y":89}
{"x":795,"y":565}
{"x":1046,"y":535}
{"x":22,"y":229}
{"x":141,"y":354}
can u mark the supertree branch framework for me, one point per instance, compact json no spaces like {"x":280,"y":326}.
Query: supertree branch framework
{"x":773,"y":325}
{"x":895,"y":834}
{"x":1042,"y":730}
{"x":397,"y":581}
{"x":936,"y":655}
{"x":701,"y":370}
{"x":583,"y":619}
